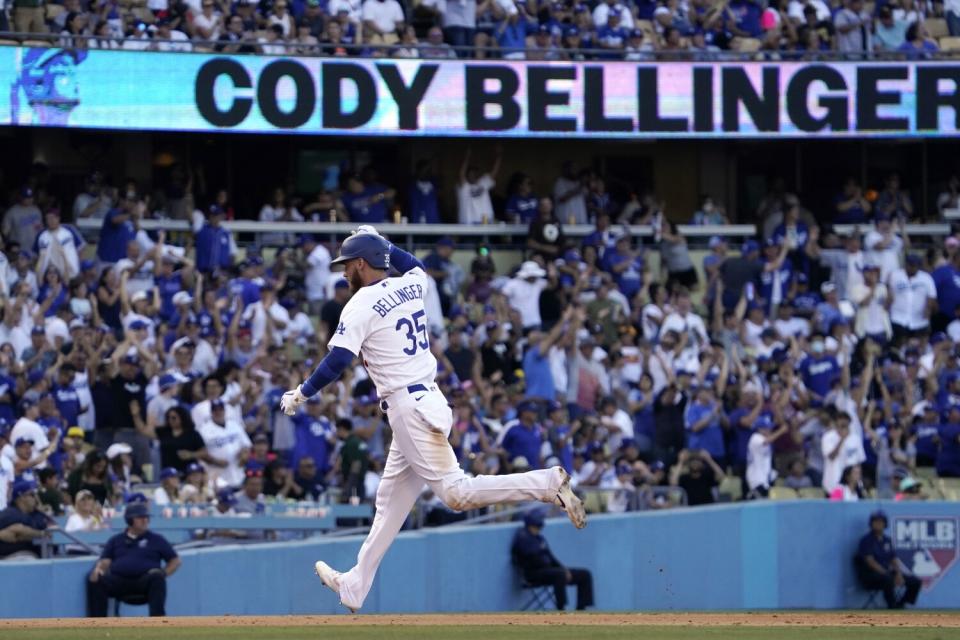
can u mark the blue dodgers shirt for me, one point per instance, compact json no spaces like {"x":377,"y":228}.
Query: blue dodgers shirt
{"x":819,"y":373}
{"x":522,"y":207}
{"x":948,"y":460}
{"x":213,"y":248}
{"x":68,"y":403}
{"x":926,"y":443}
{"x":710,"y":438}
{"x":114,"y":237}
{"x":423,"y":203}
{"x":536,"y":373}
{"x":312,"y":438}
{"x":521,"y":441}
{"x":947,"y":281}
{"x":132,"y":557}
{"x":365,"y":207}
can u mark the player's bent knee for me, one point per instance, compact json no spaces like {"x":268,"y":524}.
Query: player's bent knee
{"x":455,"y":498}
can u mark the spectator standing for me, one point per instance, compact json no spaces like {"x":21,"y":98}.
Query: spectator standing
{"x":383,"y":21}
{"x":948,"y":458}
{"x":424,"y":208}
{"x":852,"y":207}
{"x":364,"y":201}
{"x":117,"y":231}
{"x":279,"y":210}
{"x":884,"y":245}
{"x":214,"y":244}
{"x":316,"y":260}
{"x":853,"y":26}
{"x":134,"y":562}
{"x":890,"y":32}
{"x":473,"y":191}
{"x":227,"y":445}
{"x":29,"y":17}
{"x":697,"y":474}
{"x":841,"y":448}
{"x":23,"y":222}
{"x":913,"y":299}
{"x":523,"y":293}
{"x":58,"y":246}
{"x":546,"y":237}
{"x":893,"y":201}
{"x":208,"y":23}
{"x":760,"y":475}
{"x":460,"y":24}
{"x":524,"y":437}
{"x":570,"y":194}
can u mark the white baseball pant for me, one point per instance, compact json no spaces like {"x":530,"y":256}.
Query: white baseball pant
{"x":420,"y":453}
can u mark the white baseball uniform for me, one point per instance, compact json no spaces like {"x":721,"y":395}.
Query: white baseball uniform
{"x":225,"y":443}
{"x":385,"y":324}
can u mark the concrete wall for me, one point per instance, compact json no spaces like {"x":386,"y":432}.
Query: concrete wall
{"x":756,"y":556}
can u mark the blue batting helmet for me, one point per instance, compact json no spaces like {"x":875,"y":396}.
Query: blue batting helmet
{"x":374,"y":249}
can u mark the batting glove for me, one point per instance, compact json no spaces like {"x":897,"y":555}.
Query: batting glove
{"x":366,"y":228}
{"x":291,"y":400}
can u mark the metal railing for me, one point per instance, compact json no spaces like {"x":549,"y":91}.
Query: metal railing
{"x":426,"y":50}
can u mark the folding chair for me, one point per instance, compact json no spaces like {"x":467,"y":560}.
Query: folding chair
{"x":540,"y":596}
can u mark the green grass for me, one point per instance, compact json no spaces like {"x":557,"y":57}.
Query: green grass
{"x":500,"y":632}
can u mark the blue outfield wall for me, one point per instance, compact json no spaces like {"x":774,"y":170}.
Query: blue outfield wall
{"x":752,"y":556}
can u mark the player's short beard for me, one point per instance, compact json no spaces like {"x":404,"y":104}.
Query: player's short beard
{"x":356,"y":283}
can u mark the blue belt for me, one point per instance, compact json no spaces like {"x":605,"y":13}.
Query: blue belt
{"x":414,"y":388}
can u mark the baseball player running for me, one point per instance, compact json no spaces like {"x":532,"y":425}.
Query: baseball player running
{"x":385,"y":322}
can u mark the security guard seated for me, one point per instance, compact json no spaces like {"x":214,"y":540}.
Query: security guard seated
{"x":131,"y":566}
{"x":878,"y":568}
{"x":531,"y":555}
{"x":21,"y":524}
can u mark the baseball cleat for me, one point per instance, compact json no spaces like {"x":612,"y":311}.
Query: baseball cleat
{"x":567,"y":499}
{"x":330,"y":579}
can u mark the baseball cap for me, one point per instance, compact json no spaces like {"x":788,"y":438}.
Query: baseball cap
{"x":216,"y":404}
{"x":77,"y":323}
{"x":21,"y":487}
{"x":138,"y":325}
{"x":34,"y":377}
{"x":227,"y":497}
{"x":75,"y":432}
{"x":908,"y":483}
{"x":169,"y":472}
{"x":166,"y":381}
{"x":131,"y":358}
{"x":181,"y":297}
{"x":624,"y":469}
{"x":871,"y":266}
{"x":527,"y":406}
{"x":763,"y":421}
{"x":315,"y":399}
{"x":26,"y":192}
{"x":657,"y":465}
{"x":636,"y":33}
{"x":86,"y":265}
{"x":749,"y":247}
{"x":193,"y":467}
{"x":534,"y":518}
{"x":27,"y":402}
{"x":138,"y":296}
{"x":215,"y":210}
{"x":938,"y":337}
{"x":715,"y":241}
{"x":341,"y":284}
{"x":261,"y":437}
{"x":447,"y":241}
{"x":914,"y":258}
{"x":38,"y":330}
{"x":22,"y":441}
{"x":543,"y":28}
{"x":117,"y":449}
{"x":827,"y":287}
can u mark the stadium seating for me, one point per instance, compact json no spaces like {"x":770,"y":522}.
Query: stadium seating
{"x":731,"y":489}
{"x":950,"y":43}
{"x":783,"y":493}
{"x":937,"y":27}
{"x":812,"y":493}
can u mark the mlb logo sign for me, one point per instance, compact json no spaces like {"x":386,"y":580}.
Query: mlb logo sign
{"x":927,"y":546}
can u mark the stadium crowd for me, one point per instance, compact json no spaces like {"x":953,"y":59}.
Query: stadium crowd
{"x":510,"y":29}
{"x":800,"y":358}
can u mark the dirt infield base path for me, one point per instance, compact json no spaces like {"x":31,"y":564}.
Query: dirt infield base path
{"x":668,"y":619}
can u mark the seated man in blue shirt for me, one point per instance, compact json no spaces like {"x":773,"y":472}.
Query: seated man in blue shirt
{"x":20,"y":523}
{"x":878,"y":568}
{"x":531,"y":555}
{"x":131,"y":565}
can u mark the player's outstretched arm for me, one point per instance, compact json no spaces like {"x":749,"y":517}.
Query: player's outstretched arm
{"x":329,"y":369}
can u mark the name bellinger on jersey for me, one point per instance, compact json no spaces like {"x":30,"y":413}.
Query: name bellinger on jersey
{"x":395,"y":298}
